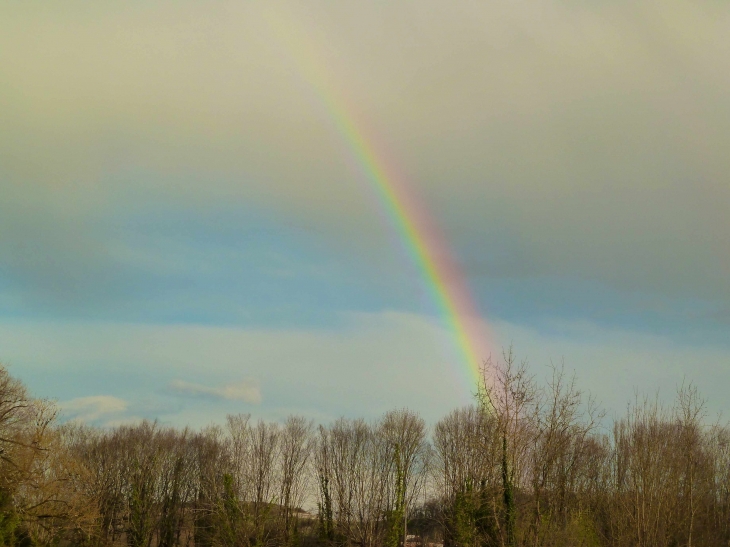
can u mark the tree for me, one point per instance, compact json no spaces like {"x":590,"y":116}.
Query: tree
{"x":508,"y":393}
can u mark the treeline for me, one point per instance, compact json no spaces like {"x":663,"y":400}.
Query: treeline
{"x":526,"y":465}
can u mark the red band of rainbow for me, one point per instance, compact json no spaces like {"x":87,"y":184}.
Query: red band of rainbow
{"x":416,"y":229}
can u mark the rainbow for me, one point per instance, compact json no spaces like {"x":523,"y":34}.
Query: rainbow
{"x":416,"y":230}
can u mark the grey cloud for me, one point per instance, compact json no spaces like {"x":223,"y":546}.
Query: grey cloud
{"x":593,"y":134}
{"x":51,"y":257}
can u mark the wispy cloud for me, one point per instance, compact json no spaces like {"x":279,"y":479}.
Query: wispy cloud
{"x":372,"y":363}
{"x":94,"y":408}
{"x":246,"y":390}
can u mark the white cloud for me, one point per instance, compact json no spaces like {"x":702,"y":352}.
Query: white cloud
{"x":93,"y":408}
{"x":247,"y":390}
{"x":365,"y":366}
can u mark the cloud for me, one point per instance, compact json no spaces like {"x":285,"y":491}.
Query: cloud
{"x":591,"y":136}
{"x":576,"y":150}
{"x":247,"y":391}
{"x":364,"y":365}
{"x":368,"y":364}
{"x":94,"y":408}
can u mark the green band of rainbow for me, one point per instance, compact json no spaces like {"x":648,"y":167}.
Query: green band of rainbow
{"x":417,"y":231}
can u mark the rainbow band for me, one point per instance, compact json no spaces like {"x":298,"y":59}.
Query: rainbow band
{"x":441,"y":274}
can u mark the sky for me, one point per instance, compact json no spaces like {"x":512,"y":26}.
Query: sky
{"x":184,"y":232}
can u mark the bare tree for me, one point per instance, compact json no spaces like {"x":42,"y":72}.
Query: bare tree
{"x":296,"y":447}
{"x":404,"y":433}
{"x":529,"y":465}
{"x":563,"y":423}
{"x":262,"y":468}
{"x":211,"y":461}
{"x":508,"y":393}
{"x":466,"y":471}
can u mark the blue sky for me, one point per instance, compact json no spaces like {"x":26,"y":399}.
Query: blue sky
{"x":183,"y":234}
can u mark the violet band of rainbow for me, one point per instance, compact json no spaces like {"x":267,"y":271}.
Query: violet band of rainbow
{"x":416,"y":229}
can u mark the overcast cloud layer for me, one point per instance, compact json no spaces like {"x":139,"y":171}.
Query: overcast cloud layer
{"x":168,"y":164}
